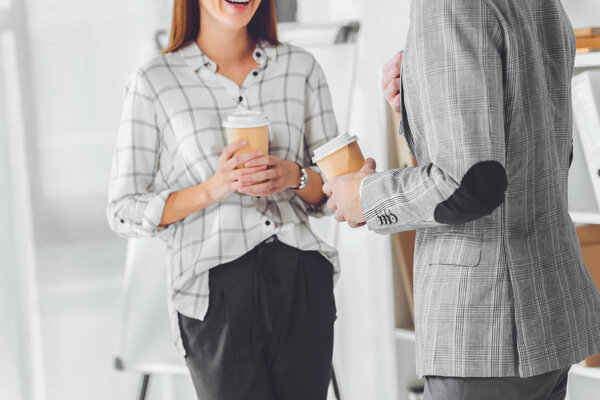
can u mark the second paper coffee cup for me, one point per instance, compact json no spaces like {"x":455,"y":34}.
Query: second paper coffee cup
{"x":339,"y":156}
{"x":251,"y":126}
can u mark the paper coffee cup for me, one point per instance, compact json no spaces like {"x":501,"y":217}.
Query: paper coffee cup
{"x":251,"y":126}
{"x":339,"y":156}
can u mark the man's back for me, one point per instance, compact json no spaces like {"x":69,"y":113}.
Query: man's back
{"x":500,"y":285}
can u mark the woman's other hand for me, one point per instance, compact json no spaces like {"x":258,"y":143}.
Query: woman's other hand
{"x":391,"y":81}
{"x":225,"y":181}
{"x":277,"y":176}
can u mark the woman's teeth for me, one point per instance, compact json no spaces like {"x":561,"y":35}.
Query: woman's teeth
{"x":242,"y":2}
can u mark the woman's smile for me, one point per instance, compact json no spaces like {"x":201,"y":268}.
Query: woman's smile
{"x":239,"y":5}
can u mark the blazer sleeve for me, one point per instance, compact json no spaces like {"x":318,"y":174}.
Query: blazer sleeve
{"x":455,"y":65}
{"x":137,"y":194}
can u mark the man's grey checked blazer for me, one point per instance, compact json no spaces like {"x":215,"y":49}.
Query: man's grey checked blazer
{"x":500,"y":285}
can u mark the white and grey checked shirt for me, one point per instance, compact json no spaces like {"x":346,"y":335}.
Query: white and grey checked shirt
{"x":171,"y":137}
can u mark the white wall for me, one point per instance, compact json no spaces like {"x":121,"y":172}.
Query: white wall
{"x":366,"y":343}
{"x":81,"y":55}
{"x":364,"y":348}
{"x":21,"y":372}
{"x":583,"y":12}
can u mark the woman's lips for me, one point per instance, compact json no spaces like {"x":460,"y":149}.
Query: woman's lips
{"x":238,"y":5}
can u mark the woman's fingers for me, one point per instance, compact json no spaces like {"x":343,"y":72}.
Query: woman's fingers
{"x":237,"y":173}
{"x":259,"y":189}
{"x":251,"y":176}
{"x":391,"y":69}
{"x":266,"y":160}
{"x":241,"y":159}
{"x":232,"y":148}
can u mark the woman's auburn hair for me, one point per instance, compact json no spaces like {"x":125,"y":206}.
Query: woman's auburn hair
{"x":186,"y":23}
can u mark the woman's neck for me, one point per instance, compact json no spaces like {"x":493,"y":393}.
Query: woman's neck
{"x":224,"y":46}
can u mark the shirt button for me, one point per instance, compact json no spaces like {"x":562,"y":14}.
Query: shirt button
{"x":255,"y":73}
{"x":122,"y":221}
{"x":267,"y":222}
{"x":258,"y":54}
{"x":240,"y":99}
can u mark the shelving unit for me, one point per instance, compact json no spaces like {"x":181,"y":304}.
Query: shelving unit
{"x":584,"y":382}
{"x":590,"y":60}
{"x":586,"y":217}
{"x":405,"y":350}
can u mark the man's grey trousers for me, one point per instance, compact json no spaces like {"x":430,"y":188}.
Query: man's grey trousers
{"x":549,"y":386}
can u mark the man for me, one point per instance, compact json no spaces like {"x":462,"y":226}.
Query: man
{"x":504,"y":304}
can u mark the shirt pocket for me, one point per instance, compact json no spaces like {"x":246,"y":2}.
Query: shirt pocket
{"x":462,"y":250}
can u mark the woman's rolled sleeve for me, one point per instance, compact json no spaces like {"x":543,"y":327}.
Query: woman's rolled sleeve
{"x":137,"y":197}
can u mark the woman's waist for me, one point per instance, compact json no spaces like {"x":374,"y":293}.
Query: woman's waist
{"x":190,"y":259}
{"x":210,"y":238}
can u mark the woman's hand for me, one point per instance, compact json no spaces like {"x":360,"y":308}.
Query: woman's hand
{"x":225,"y":181}
{"x":277,"y":176}
{"x":391,"y":81}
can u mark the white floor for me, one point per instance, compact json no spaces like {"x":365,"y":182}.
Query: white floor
{"x":80,"y":287}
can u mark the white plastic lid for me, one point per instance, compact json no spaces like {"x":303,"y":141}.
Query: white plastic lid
{"x":332,"y":146}
{"x":246,"y":119}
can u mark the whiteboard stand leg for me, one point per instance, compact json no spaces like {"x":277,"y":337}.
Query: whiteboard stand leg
{"x":334,"y":383}
{"x":144,"y":386}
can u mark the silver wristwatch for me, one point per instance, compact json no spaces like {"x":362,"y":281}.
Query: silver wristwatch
{"x":303,"y":178}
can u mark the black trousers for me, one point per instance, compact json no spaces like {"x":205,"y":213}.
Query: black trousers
{"x":548,"y":386}
{"x":268,"y":333}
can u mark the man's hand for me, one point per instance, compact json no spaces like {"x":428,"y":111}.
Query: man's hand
{"x":345,"y":197}
{"x":391,"y":81}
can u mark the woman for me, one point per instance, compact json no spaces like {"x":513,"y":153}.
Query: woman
{"x":264,"y":330}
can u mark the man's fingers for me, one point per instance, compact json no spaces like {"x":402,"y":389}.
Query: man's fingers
{"x":369,"y":164}
{"x":331,"y":204}
{"x":328,"y":188}
{"x":356,"y":225}
{"x":339,"y":217}
{"x":395,"y":104}
{"x":393,"y":64}
{"x":391,"y":69}
{"x":392,"y":89}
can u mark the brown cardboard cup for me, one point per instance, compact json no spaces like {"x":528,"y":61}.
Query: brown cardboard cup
{"x":339,"y":156}
{"x":251,"y":126}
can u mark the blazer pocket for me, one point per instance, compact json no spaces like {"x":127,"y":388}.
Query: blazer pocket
{"x":456,"y":249}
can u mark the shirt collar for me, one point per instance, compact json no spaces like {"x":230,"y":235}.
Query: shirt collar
{"x":265,"y":48}
{"x":196,"y":59}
